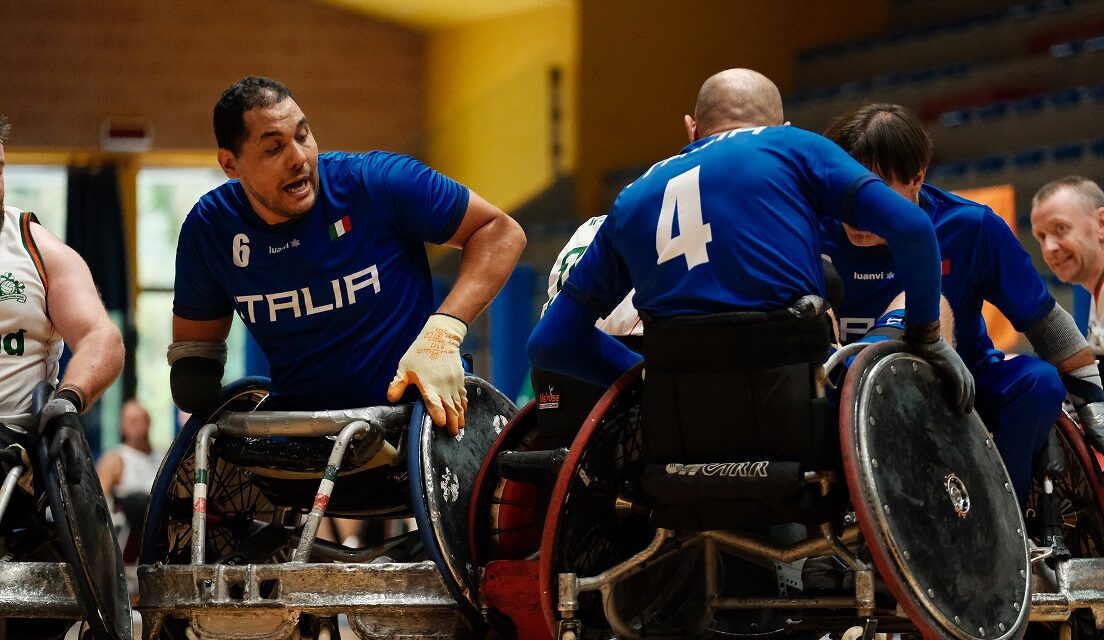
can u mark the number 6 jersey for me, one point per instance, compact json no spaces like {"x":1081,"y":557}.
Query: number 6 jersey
{"x":334,"y":298}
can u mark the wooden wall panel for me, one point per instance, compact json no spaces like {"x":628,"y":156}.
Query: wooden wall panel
{"x":66,"y":65}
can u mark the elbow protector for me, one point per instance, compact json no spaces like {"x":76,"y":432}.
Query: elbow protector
{"x":196,"y":384}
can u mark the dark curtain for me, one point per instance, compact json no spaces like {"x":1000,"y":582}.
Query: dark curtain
{"x":94,"y":228}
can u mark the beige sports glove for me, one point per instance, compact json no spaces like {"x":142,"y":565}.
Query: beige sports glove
{"x":433,"y":364}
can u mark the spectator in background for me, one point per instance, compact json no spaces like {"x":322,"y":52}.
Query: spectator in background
{"x":1067,"y":218}
{"x":127,"y":471}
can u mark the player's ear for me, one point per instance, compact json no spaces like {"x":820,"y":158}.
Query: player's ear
{"x":1100,"y":224}
{"x":228,"y":163}
{"x":915,"y":184}
{"x":691,"y":128}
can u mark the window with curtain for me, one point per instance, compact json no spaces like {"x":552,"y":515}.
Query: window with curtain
{"x":164,"y":198}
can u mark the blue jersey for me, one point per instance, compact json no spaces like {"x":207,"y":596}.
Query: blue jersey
{"x":982,"y":261}
{"x":731,"y":223}
{"x":335,"y":298}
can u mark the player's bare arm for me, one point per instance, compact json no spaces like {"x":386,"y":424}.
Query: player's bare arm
{"x":491,"y":242}
{"x":110,"y":471}
{"x":80,"y":318}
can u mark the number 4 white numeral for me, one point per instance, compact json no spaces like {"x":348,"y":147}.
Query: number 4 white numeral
{"x":682,"y":197}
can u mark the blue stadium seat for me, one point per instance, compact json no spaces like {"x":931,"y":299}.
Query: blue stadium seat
{"x":989,"y":164}
{"x":1066,"y":98}
{"x":1068,"y":152}
{"x":993,"y":111}
{"x":1029,"y":105}
{"x":956,"y":118}
{"x":949,"y":170}
{"x":1029,"y":158}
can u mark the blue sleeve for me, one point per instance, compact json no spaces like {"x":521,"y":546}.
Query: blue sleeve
{"x":419,"y":203}
{"x":833,"y":178}
{"x":600,"y":279}
{"x":1007,"y":277}
{"x":196,"y":292}
{"x":566,"y":341}
{"x":911,"y":238}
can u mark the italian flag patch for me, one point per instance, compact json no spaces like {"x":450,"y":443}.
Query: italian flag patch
{"x":340,"y":228}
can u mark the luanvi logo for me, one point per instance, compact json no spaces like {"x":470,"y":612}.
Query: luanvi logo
{"x":11,"y":289}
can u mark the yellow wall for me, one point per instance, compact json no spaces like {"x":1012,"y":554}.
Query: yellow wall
{"x":642,"y":61}
{"x":487,"y":111}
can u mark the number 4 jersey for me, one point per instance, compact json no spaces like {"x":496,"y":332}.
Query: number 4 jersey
{"x":335,"y":298}
{"x":731,"y":223}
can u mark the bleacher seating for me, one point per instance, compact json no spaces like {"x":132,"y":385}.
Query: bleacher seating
{"x":1003,"y":32}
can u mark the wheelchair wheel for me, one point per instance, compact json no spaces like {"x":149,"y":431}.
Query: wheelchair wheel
{"x":1079,"y":490}
{"x":442,"y":481}
{"x":933,"y":500}
{"x":237,"y":511}
{"x":86,"y":537}
{"x":235,"y":508}
{"x":505,"y":520}
{"x":582,"y":534}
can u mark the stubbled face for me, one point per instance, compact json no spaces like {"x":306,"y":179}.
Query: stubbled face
{"x":907,"y":190}
{"x":278,"y":162}
{"x":1071,"y":235}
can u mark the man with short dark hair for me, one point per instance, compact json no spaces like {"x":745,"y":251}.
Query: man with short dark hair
{"x":323,"y":259}
{"x":1020,"y":398}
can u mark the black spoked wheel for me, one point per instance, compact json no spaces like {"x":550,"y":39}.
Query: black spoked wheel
{"x":242,"y":525}
{"x":583,"y":534}
{"x":1076,"y":495}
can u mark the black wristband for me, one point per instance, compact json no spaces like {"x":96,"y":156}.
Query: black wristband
{"x":449,"y":315}
{"x":70,"y":394}
{"x":922,"y":333}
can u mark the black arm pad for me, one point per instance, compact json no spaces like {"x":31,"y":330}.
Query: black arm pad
{"x":196,"y":384}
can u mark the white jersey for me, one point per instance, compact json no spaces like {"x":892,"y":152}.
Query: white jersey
{"x":623,"y":320}
{"x":30,"y":347}
{"x":139,"y":470}
{"x":1096,"y":324}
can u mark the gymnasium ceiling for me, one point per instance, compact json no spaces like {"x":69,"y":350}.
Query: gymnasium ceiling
{"x":436,"y":14}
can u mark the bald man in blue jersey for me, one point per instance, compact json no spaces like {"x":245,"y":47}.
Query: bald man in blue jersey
{"x":731,"y":224}
{"x":323,"y":258}
{"x":1019,"y":398}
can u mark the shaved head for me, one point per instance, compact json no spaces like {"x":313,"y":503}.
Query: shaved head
{"x":737,"y":98}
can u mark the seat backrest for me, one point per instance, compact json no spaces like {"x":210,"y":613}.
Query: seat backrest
{"x":736,"y":387}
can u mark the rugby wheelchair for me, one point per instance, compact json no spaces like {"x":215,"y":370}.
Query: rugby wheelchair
{"x":60,"y":561}
{"x":229,"y":545}
{"x":710,"y":498}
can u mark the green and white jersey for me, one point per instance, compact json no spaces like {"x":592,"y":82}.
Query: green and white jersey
{"x":623,"y":320}
{"x":30,"y":346}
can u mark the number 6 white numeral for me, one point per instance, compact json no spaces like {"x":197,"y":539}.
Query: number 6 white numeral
{"x":241,"y":250}
{"x":682,"y":197}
